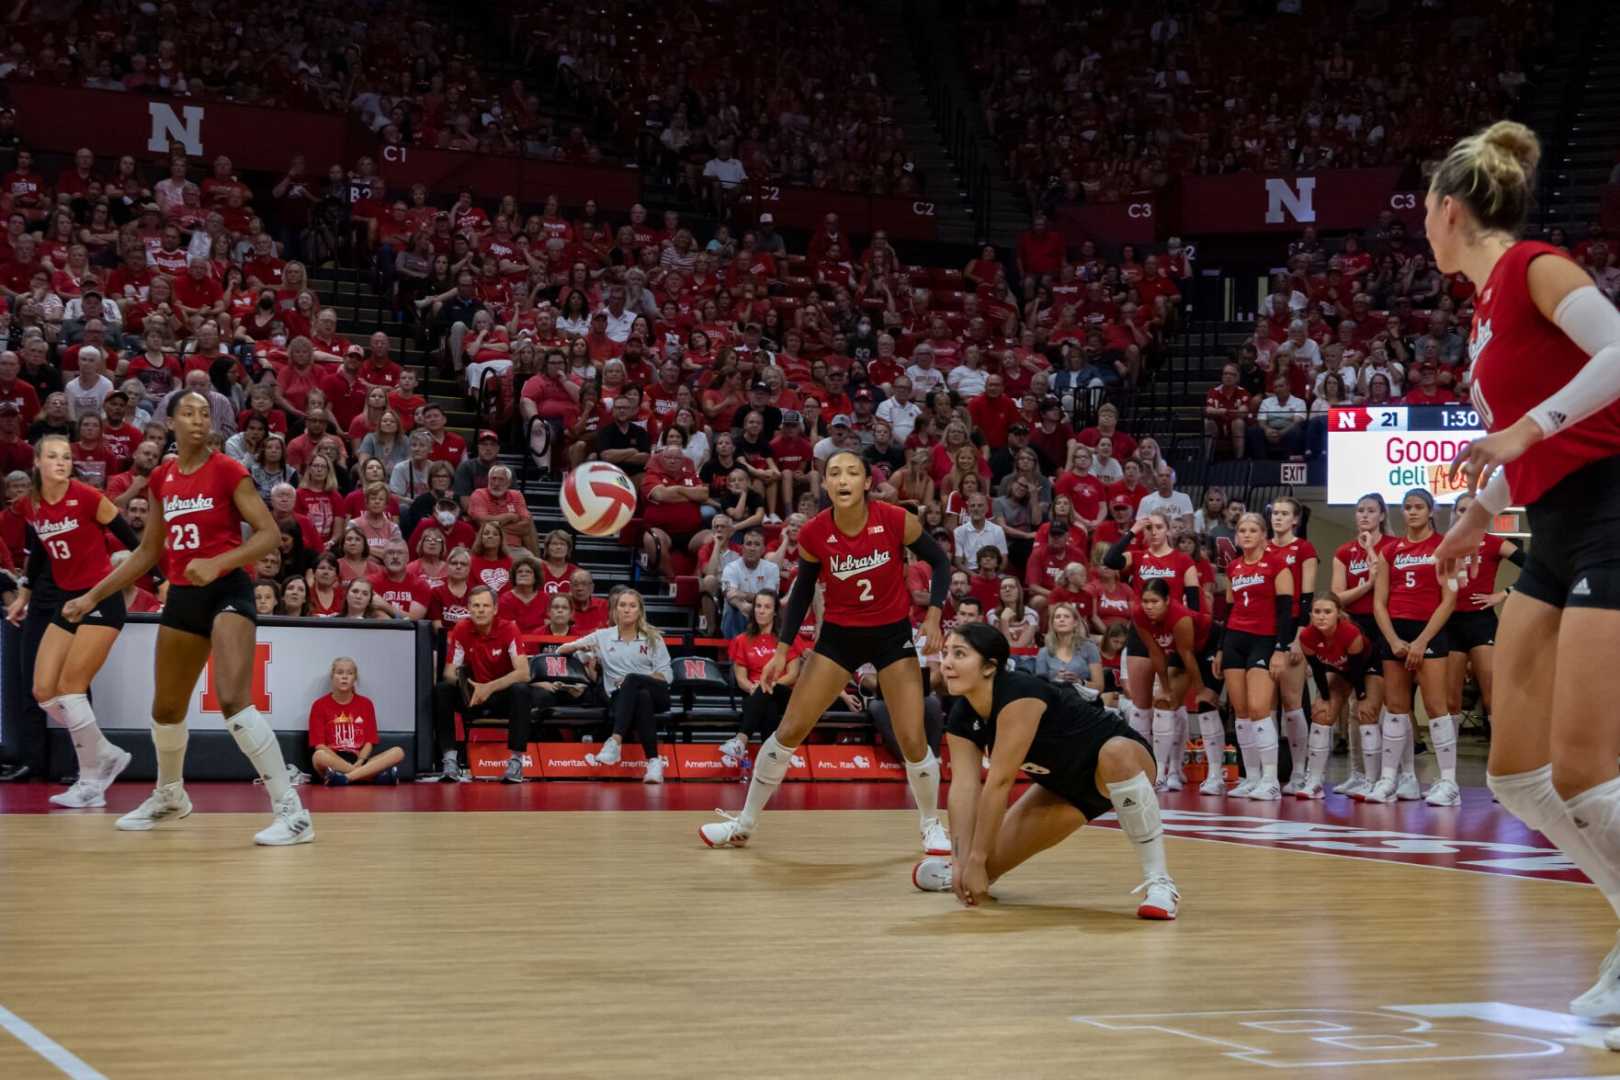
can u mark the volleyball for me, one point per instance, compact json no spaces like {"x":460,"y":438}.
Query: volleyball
{"x":598,"y":499}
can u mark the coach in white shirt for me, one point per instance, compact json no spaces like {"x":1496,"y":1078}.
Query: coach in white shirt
{"x":1165,"y":499}
{"x":977,"y":533}
{"x":899,"y":410}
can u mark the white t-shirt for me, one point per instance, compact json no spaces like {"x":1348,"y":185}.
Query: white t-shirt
{"x":967,"y":382}
{"x":738,"y":575}
{"x":1174,"y":505}
{"x":924,"y":381}
{"x":86,"y":400}
{"x":729,"y":171}
{"x":1274,"y":413}
{"x":901,"y":417}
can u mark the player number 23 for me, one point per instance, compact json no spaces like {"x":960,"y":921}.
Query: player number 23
{"x":184,"y":536}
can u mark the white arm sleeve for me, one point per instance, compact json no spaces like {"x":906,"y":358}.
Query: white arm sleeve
{"x":1494,"y":496}
{"x":1594,"y":324}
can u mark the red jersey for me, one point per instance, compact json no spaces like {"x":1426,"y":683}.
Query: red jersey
{"x":408,"y":590}
{"x":1114,"y":605}
{"x":1332,"y":651}
{"x":447,"y":607}
{"x":1481,"y":573}
{"x":199,"y":510}
{"x":75,"y":544}
{"x":344,"y":728}
{"x":1085,"y":492}
{"x":1171,"y":568}
{"x":1254,"y":594}
{"x":1163,"y":629}
{"x":1358,"y":568}
{"x":1520,"y":359}
{"x":1294,"y":556}
{"x":529,"y":616}
{"x":1414,"y":588}
{"x":552,"y":584}
{"x":752,"y":653}
{"x":591,"y":617}
{"x":486,"y":655}
{"x":864,"y":574}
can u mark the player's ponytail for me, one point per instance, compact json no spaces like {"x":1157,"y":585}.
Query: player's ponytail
{"x":1493,"y":173}
{"x":987,"y":641}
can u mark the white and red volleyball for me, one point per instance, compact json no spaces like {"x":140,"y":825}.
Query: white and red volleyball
{"x":598,"y":499}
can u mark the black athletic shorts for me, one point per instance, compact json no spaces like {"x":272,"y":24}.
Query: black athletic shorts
{"x":1408,"y":630}
{"x":193,"y":608}
{"x":1078,"y":783}
{"x":110,"y":612}
{"x":1242,"y":651}
{"x":1205,"y":657}
{"x":1574,"y":560}
{"x":1468,"y":630}
{"x":851,"y":646}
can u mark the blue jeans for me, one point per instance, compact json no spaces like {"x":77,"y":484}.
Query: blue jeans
{"x":733,"y":622}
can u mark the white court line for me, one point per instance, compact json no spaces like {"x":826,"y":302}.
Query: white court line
{"x":46,"y":1047}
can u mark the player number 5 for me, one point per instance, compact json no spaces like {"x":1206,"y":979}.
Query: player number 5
{"x":183,"y":537}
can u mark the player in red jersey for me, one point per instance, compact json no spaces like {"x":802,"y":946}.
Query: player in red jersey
{"x":1412,"y":606}
{"x":1155,"y":560}
{"x":1353,"y":567}
{"x":856,"y":550}
{"x":1179,"y":645}
{"x":67,"y":527}
{"x":1339,"y":655}
{"x":1472,"y":628}
{"x":200,"y":501}
{"x":1299,"y":555}
{"x":1254,"y":651}
{"x":1546,"y":380}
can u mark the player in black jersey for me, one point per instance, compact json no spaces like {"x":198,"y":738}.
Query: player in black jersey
{"x":1083,"y":761}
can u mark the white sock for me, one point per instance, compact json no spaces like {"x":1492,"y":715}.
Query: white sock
{"x":1177,"y":762}
{"x":1265,"y":745}
{"x":1164,"y":740}
{"x":1396,"y":737}
{"x":1141,"y":721}
{"x":1296,"y":727}
{"x":1443,"y":734}
{"x":923,"y":776}
{"x":170,"y":741}
{"x":1595,"y":813}
{"x":258,"y":743}
{"x":1138,"y":810}
{"x":1372,"y":745}
{"x":769,"y":768}
{"x":1531,"y":797}
{"x":1214,"y":736}
{"x":1245,"y":741}
{"x":80,"y":721}
{"x":1409,"y":749}
{"x":1320,"y":742}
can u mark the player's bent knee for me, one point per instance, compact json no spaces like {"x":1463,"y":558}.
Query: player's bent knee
{"x":1121,"y":758}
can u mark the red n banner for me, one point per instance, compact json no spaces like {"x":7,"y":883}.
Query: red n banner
{"x":261,"y":681}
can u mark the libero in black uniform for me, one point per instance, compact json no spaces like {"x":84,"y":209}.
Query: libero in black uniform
{"x":1083,"y":762}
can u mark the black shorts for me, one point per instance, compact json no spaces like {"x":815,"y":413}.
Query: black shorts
{"x":1078,"y":783}
{"x":1574,"y":560}
{"x":1468,"y":630}
{"x":851,"y":646}
{"x":1205,"y":658}
{"x":110,"y":612}
{"x":193,"y":608}
{"x":1408,"y":630}
{"x":1241,"y":651}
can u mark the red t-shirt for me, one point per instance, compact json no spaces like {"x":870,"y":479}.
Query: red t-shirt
{"x":448,"y":606}
{"x":1254,"y":594}
{"x":486,"y":655}
{"x":74,"y":541}
{"x":591,"y":617}
{"x":528,"y":615}
{"x":864,"y":574}
{"x":1114,"y":604}
{"x":752,"y":653}
{"x":1414,"y":587}
{"x":199,"y":511}
{"x":1085,"y":492}
{"x":992,"y":416}
{"x":344,"y":728}
{"x":680,"y":517}
{"x":408,"y":590}
{"x":496,"y":573}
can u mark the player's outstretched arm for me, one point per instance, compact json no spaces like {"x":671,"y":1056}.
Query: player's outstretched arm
{"x":140,"y":562}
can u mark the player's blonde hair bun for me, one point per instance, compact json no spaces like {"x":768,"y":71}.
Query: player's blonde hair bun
{"x":1493,"y":172}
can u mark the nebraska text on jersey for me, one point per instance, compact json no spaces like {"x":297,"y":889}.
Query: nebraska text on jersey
{"x":1404,"y":561}
{"x":178,"y":507}
{"x":1243,"y":581}
{"x":48,"y":529}
{"x":853,"y":565}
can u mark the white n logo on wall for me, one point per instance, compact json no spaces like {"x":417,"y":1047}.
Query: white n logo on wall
{"x":1295,"y":199}
{"x":166,"y":125}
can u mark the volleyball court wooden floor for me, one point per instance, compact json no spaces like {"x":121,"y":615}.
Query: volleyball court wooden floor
{"x":1314,"y":940}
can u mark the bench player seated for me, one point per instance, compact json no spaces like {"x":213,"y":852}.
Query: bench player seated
{"x":343,"y":734}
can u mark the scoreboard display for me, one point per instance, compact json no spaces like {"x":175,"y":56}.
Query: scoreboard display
{"x":1390,"y":449}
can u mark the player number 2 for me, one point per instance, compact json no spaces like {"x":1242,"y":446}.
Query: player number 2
{"x":183,"y":537}
{"x":866,"y":590}
{"x":59,"y":550}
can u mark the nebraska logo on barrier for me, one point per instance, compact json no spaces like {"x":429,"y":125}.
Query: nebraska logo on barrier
{"x":261,"y":682}
{"x":1295,"y":198}
{"x":556,"y":666}
{"x":167,"y":126}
